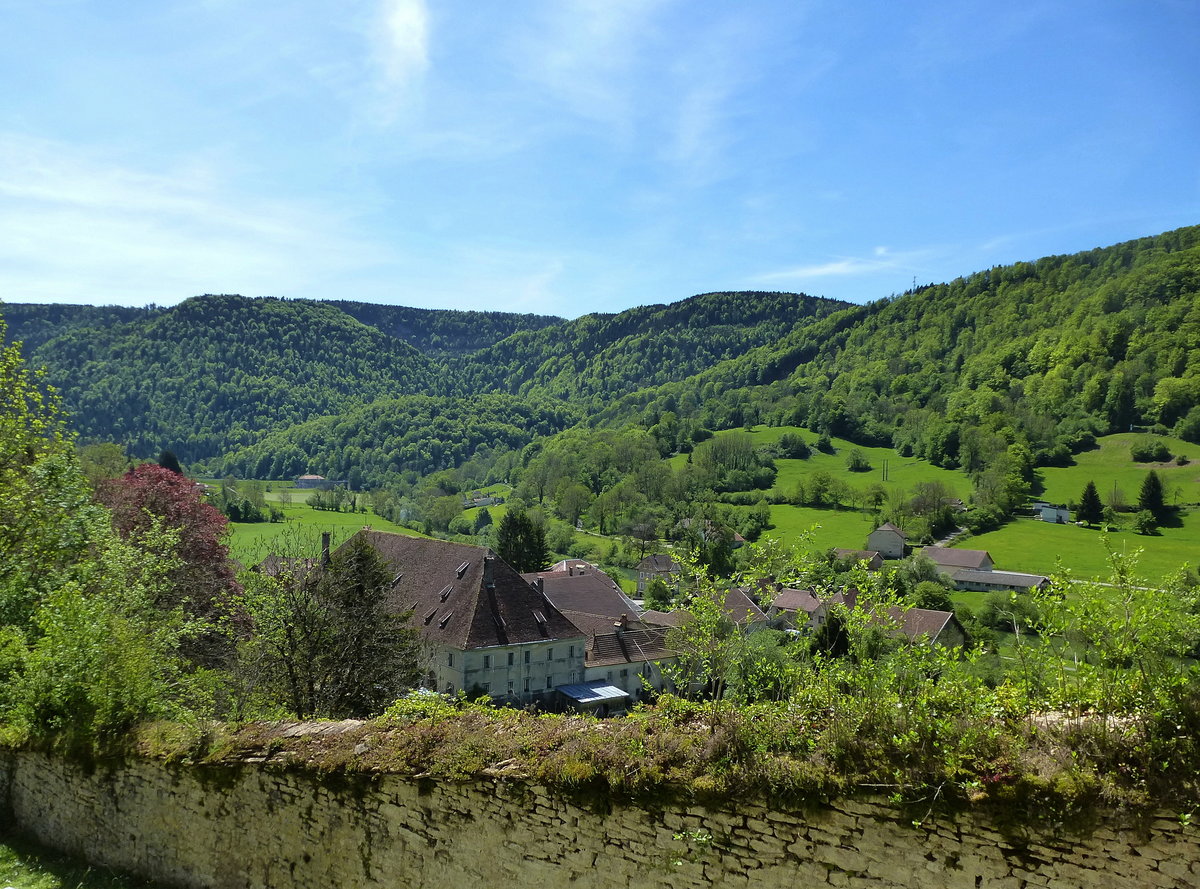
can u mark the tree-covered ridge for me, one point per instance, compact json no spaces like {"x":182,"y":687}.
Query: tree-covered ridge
{"x":444,"y":331}
{"x":217,"y":372}
{"x":378,"y":443}
{"x":32,"y":324}
{"x":598,"y":357}
{"x":1052,"y":352}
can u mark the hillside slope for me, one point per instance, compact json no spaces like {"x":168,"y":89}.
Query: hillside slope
{"x":1052,"y":352}
{"x":216,"y":372}
{"x":598,"y":357}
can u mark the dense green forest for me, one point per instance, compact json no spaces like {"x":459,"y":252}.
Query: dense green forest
{"x":392,"y":439}
{"x":598,"y":357}
{"x":443,"y":331}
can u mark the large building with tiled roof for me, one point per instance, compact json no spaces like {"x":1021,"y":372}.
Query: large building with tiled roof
{"x":487,"y":629}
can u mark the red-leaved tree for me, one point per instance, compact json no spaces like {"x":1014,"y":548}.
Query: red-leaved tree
{"x":203,"y":583}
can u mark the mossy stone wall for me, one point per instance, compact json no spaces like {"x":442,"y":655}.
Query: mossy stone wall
{"x":254,"y":825}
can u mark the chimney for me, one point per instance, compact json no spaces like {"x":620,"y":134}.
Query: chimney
{"x":488,"y":580}
{"x":623,"y":624}
{"x":325,"y":558}
{"x":570,"y":570}
{"x":540,"y":586}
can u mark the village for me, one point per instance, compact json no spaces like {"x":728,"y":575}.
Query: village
{"x":569,"y":638}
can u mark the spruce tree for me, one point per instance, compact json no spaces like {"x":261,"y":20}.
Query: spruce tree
{"x":1090,"y":510}
{"x":1151,"y":498}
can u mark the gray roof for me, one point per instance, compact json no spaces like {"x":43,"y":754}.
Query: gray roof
{"x":658,"y":563}
{"x":957,"y":558}
{"x":1013,"y":579}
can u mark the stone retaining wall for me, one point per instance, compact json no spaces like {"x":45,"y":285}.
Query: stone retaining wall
{"x":255,"y":826}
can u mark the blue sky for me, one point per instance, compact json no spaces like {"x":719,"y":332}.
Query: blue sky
{"x":572,"y":156}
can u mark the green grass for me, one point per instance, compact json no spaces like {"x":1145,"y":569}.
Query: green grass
{"x":1038,"y":547}
{"x":839,"y":528}
{"x":25,"y":866}
{"x":1110,"y":465}
{"x":903,"y":472}
{"x":301,"y":532}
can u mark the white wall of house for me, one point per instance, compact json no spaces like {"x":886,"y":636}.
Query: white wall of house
{"x":628,"y":677}
{"x":527,"y":672}
{"x":887,"y":543}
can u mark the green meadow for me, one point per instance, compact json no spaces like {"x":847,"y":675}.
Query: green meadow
{"x":1041,"y":547}
{"x":821,"y":528}
{"x":901,"y":472}
{"x":300,"y":532}
{"x":1111,"y":467}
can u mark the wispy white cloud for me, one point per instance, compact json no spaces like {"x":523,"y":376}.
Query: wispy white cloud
{"x":881,"y":259}
{"x":403,"y":48}
{"x":399,"y":34}
{"x":584,"y":53}
{"x":77,"y":226}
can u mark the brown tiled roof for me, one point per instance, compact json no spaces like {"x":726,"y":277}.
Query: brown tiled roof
{"x":664,"y":618}
{"x":593,"y":624}
{"x":796,"y":600}
{"x":913,"y":623}
{"x":628,"y":647}
{"x":454,"y":600}
{"x":739,"y":605}
{"x":956,"y":558}
{"x":591,"y":592}
{"x":917,"y":622}
{"x":742,"y":607}
{"x":859,"y":555}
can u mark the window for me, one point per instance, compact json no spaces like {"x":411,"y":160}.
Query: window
{"x":549,"y":654}
{"x":450,"y":659}
{"x":512,"y":686}
{"x":527,"y":657}
{"x":549,"y":682}
{"x":527,"y":683}
{"x":571,"y":651}
{"x":487,"y":686}
{"x":487,"y":662}
{"x":624,"y":674}
{"x":511,"y":658}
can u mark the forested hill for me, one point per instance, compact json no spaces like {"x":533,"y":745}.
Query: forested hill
{"x":213,"y":374}
{"x":34,"y":324}
{"x":1052,"y":352}
{"x":443,"y":331}
{"x":216,"y":372}
{"x":599,"y":357}
{"x":1048,"y":354}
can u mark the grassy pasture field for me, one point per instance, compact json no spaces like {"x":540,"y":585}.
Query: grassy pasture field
{"x":1110,"y":465}
{"x":903,"y":472}
{"x":301,"y":532}
{"x":1040,"y":547}
{"x":821,"y":528}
